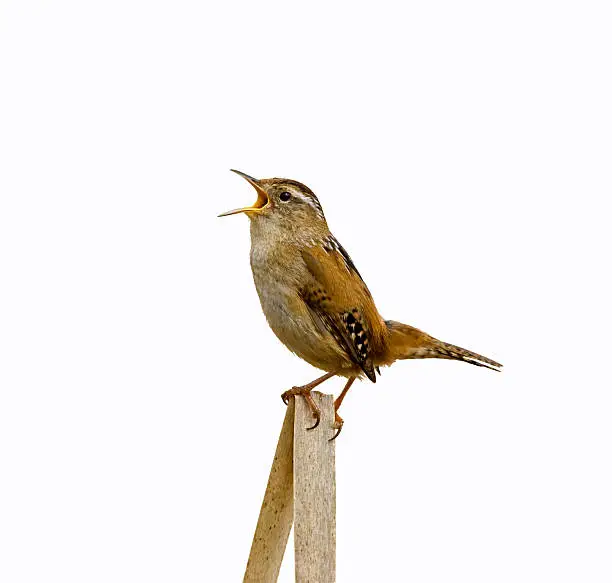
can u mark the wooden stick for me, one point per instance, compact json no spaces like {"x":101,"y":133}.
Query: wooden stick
{"x":314,"y":479}
{"x":276,"y":513}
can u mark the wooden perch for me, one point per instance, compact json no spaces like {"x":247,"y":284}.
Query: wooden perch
{"x":301,"y":489}
{"x":276,"y":515}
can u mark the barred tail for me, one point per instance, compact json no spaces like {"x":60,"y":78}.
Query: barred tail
{"x":407,"y":342}
{"x":446,"y":350}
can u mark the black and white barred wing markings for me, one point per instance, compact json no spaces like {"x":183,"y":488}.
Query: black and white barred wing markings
{"x":336,"y":297}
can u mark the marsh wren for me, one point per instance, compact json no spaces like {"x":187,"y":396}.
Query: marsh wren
{"x":315,"y":300}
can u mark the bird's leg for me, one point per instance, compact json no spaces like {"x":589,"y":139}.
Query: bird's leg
{"x":305,"y":392}
{"x":339,"y":422}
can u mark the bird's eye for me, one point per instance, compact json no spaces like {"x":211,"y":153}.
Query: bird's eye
{"x":285,"y":196}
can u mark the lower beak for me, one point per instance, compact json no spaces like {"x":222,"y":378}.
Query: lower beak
{"x":258,"y":205}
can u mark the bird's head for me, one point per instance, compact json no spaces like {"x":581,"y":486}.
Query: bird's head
{"x":282,"y":203}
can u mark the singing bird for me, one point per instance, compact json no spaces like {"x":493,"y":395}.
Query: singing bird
{"x":315,"y":300}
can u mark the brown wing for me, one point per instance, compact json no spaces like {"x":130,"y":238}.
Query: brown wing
{"x":339,"y":299}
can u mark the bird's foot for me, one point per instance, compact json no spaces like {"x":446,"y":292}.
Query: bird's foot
{"x":305,"y":392}
{"x":337,"y":425}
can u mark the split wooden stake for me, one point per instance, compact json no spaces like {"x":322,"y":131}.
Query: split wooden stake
{"x":301,"y":489}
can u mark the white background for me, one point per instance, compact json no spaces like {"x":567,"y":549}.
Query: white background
{"x":461,"y":152}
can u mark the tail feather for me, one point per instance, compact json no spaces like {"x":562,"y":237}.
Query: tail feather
{"x":446,"y":350}
{"x":407,"y":342}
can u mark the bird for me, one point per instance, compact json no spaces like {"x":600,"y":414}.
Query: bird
{"x":317,"y":303}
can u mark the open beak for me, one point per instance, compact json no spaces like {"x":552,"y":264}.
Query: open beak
{"x":259,"y":204}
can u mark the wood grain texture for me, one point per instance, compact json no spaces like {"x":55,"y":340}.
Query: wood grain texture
{"x":276,"y":515}
{"x":314,"y":484}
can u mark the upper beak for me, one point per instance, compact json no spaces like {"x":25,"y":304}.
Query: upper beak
{"x":262,"y":197}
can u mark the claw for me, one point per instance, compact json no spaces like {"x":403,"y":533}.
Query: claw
{"x":317,"y":421}
{"x":288,"y":394}
{"x":338,"y":425}
{"x":337,"y":433}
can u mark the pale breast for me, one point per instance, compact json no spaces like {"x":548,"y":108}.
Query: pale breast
{"x":278,"y":278}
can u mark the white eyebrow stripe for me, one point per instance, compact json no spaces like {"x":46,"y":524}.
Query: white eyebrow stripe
{"x":315,"y":204}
